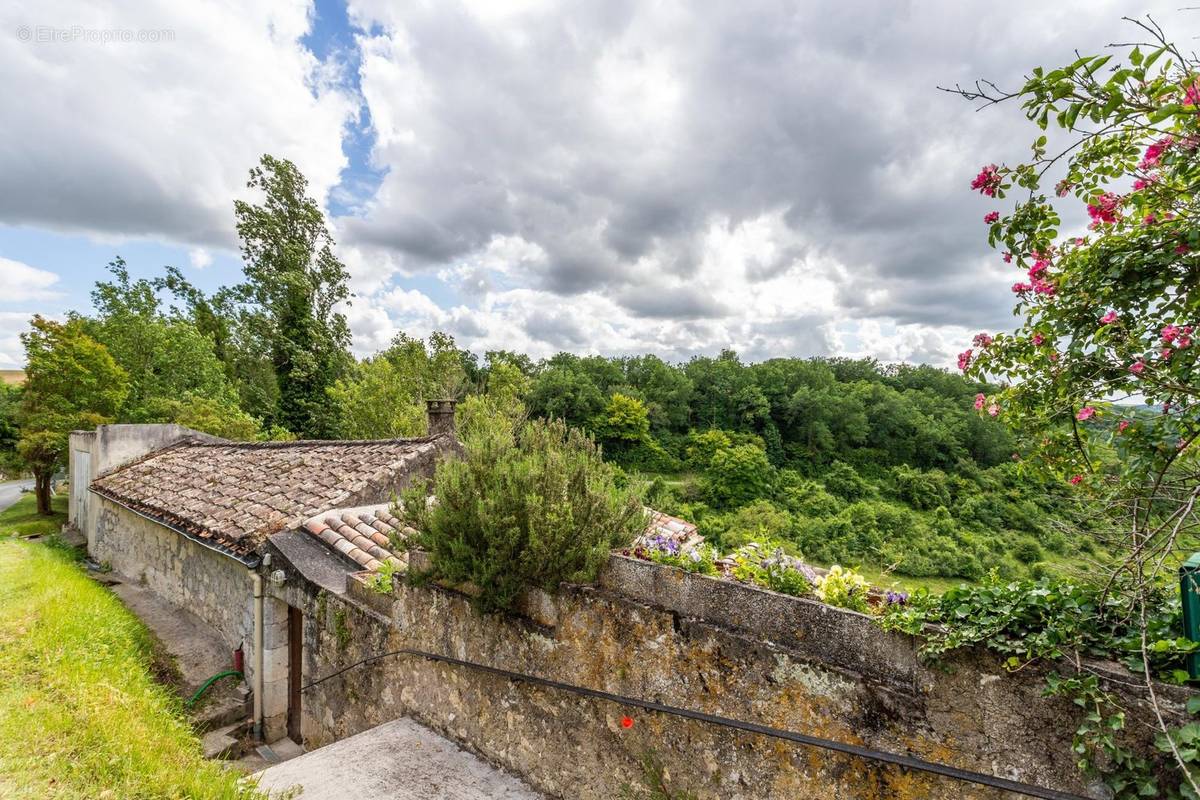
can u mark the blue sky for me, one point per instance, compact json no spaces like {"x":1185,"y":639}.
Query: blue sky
{"x":603,"y":177}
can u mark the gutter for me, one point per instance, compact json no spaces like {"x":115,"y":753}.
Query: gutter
{"x":250,"y":562}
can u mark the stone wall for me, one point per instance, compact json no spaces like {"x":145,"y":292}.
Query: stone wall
{"x":658,"y":634}
{"x":212,"y":585}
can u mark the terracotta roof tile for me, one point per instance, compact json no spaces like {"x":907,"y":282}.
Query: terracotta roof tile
{"x":361,"y":534}
{"x":237,"y":494}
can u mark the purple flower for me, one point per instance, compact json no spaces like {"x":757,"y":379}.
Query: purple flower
{"x":895,"y":598}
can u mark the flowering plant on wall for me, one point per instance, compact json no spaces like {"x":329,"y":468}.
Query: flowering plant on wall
{"x":1100,"y":378}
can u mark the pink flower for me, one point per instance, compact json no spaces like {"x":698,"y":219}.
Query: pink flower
{"x":1085,"y":413}
{"x":1122,"y":425}
{"x":1080,"y":241}
{"x":1191,"y":94}
{"x":987,"y":181}
{"x":1075,"y":480}
{"x":991,"y":218}
{"x":1054,"y":356}
{"x":993,"y":410}
{"x":1137,"y":367}
{"x":1169,"y":333}
{"x":1109,"y":318}
{"x":1166,"y":353}
{"x":982,"y":340}
{"x":1185,"y":337}
{"x":1021,"y":288}
{"x":1182,"y":249}
{"x":1039,"y":266}
{"x":964,"y":359}
{"x":1062,"y":187}
{"x":1043,"y":287}
{"x":1154,"y":153}
{"x":1038,"y":339}
{"x":1149,"y":219}
{"x":1007,"y":257}
{"x":1106,"y":208}
{"x":980,"y":399}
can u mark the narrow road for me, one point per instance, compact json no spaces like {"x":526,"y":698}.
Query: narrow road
{"x":10,"y":491}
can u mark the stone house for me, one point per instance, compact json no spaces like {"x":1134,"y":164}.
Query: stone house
{"x":190,"y":516}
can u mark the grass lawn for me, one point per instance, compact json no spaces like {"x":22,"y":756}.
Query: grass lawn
{"x":80,"y":714}
{"x":22,"y":519}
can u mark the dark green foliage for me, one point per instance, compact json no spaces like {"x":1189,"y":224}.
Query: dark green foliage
{"x":1027,"y":551}
{"x":536,"y":509}
{"x":843,"y":481}
{"x":293,"y":282}
{"x":737,"y":475}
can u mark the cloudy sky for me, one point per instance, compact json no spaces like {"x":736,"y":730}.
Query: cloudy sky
{"x":608,"y":176}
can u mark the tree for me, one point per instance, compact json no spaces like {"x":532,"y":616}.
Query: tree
{"x":166,"y":358}
{"x":293,"y":285}
{"x":385,"y":396}
{"x":376,"y":402}
{"x":1109,"y":316}
{"x":71,"y":381}
{"x":10,"y":430}
{"x":738,"y":475}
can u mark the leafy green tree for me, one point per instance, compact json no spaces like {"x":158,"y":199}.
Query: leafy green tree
{"x":206,"y":415}
{"x":165,"y":358}
{"x":666,"y":390}
{"x":10,"y":429}
{"x":71,"y":381}
{"x":623,"y":422}
{"x":565,"y":391}
{"x":376,"y":402}
{"x":738,"y":475}
{"x":293,"y":285}
{"x":384,"y":396}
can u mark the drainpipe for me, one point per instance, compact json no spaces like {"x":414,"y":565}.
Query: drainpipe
{"x":257,"y":580}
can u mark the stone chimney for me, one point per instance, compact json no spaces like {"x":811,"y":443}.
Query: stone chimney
{"x":441,"y":416}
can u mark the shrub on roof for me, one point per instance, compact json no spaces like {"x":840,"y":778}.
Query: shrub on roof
{"x":534,"y":507}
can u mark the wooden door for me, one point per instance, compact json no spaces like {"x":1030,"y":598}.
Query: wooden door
{"x":295,"y":671}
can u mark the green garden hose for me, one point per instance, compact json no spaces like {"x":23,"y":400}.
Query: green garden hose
{"x":204,"y":687}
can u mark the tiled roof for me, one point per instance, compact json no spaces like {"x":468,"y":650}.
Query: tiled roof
{"x":363,"y":535}
{"x":234,"y":495}
{"x":662,"y":527}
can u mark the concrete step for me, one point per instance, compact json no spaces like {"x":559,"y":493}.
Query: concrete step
{"x":224,"y":743}
{"x":233,"y":705}
{"x":399,"y":760}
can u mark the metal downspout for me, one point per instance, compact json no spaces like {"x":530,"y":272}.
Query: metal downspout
{"x":258,"y":655}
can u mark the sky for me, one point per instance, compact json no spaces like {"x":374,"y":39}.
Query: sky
{"x":596,"y":176}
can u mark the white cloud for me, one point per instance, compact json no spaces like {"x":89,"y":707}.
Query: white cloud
{"x":155,"y":139}
{"x":12,"y":325}
{"x":199,"y":257}
{"x":23,"y":283}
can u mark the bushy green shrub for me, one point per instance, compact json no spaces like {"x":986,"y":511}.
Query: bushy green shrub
{"x":534,"y":508}
{"x":759,"y":521}
{"x":921,"y":490}
{"x":1027,"y":551}
{"x":737,"y":476}
{"x":845,"y":482}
